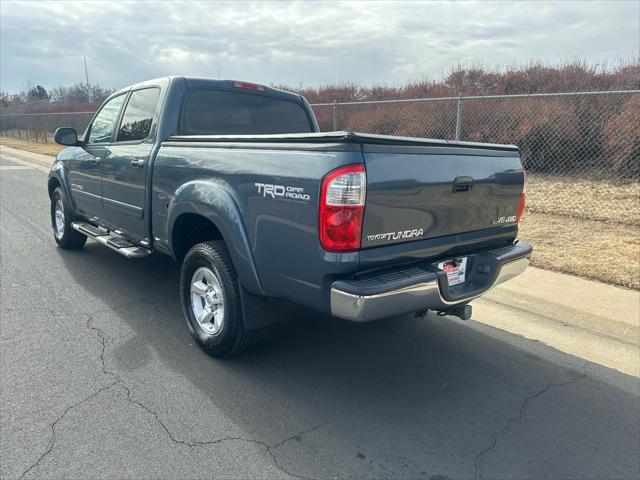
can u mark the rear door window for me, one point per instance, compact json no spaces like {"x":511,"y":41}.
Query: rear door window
{"x":219,"y":112}
{"x":138,"y":115}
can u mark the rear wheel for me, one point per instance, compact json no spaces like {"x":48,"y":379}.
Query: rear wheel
{"x":210,"y":296}
{"x":63,"y":233}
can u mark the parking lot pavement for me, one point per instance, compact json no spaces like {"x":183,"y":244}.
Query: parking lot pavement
{"x":100,"y":379}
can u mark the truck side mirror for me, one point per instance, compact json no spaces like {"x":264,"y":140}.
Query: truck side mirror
{"x":66,"y":136}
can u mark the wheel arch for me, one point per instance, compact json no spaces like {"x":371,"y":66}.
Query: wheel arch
{"x":57,"y":178}
{"x":201,"y":211}
{"x":190,"y":229}
{"x":52,"y":184}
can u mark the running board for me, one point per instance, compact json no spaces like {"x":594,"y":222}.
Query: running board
{"x":111,"y":240}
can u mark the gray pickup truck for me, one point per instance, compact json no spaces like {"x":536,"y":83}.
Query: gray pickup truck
{"x":235,"y":181}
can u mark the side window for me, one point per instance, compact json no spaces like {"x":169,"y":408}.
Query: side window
{"x":103,"y":124}
{"x":138,"y":115}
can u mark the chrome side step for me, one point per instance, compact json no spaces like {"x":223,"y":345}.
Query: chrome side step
{"x":111,"y":240}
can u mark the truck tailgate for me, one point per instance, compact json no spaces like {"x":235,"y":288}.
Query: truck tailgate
{"x":417,"y":193}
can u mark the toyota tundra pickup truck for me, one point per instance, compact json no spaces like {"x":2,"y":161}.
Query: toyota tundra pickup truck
{"x":236,"y":183}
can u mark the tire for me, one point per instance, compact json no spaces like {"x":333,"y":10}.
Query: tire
{"x":61,"y":218}
{"x":220,"y":331}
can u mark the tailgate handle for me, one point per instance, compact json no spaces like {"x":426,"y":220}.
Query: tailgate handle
{"x":462,"y":184}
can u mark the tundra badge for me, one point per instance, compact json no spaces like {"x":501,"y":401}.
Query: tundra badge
{"x":416,"y":232}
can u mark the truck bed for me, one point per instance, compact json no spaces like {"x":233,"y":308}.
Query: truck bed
{"x":417,"y":188}
{"x":341,"y":137}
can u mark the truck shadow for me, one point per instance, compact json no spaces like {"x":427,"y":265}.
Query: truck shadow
{"x":402,"y":397}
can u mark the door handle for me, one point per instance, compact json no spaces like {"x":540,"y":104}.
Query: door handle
{"x":137,"y":163}
{"x":95,"y":160}
{"x":462,"y":184}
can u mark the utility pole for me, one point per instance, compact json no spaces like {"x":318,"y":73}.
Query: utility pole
{"x":86,"y":73}
{"x":86,"y":77}
{"x":218,"y":73}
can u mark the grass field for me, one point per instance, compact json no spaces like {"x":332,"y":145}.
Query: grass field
{"x":43,"y":148}
{"x":598,"y":250}
{"x":585,"y":198}
{"x":604,"y":251}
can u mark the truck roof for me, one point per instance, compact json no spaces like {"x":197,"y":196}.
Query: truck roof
{"x":203,"y":82}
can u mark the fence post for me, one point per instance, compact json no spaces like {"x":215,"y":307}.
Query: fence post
{"x":458,"y":118}
{"x":335,"y":116}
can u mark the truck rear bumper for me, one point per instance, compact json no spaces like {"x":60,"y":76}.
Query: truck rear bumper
{"x":423,"y":286}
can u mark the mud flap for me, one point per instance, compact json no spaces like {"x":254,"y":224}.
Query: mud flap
{"x":259,"y":312}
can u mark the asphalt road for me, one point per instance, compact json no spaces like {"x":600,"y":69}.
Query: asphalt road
{"x":100,"y":379}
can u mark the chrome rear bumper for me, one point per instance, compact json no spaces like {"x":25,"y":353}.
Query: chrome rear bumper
{"x":362,"y":301}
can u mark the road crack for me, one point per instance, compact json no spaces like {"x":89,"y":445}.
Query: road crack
{"x":500,"y":433}
{"x":53,"y":438}
{"x":191,"y":444}
{"x":52,"y":441}
{"x":119,"y":381}
{"x":297,"y":436}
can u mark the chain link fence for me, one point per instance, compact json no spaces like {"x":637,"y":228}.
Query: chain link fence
{"x":39,"y":127}
{"x":581,"y":150}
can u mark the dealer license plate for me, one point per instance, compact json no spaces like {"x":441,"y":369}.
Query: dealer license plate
{"x":455,"y":269}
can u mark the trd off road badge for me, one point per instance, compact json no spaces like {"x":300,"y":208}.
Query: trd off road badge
{"x":282,"y":191}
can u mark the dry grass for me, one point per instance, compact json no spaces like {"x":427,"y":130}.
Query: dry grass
{"x":43,"y":148}
{"x":608,"y":252}
{"x":583,"y":198}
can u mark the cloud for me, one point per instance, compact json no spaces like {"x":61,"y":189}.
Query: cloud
{"x":299,"y":42}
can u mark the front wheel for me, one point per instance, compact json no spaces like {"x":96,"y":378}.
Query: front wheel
{"x":210,"y":297}
{"x":63,"y":233}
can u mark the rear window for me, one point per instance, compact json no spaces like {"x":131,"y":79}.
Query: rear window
{"x":218,"y":112}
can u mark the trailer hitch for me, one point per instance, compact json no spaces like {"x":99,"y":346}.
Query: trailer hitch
{"x":463,"y":312}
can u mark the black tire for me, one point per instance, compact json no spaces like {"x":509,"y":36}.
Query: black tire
{"x":231,"y":338}
{"x":67,"y":238}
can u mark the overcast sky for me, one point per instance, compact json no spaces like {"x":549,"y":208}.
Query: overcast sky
{"x":310,"y":43}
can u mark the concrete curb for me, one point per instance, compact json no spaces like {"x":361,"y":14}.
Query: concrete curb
{"x":585,"y":318}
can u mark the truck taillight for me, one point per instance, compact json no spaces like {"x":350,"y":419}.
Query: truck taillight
{"x":342,"y":197}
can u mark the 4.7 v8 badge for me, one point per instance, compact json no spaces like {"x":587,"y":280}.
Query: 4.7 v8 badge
{"x":501,"y":220}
